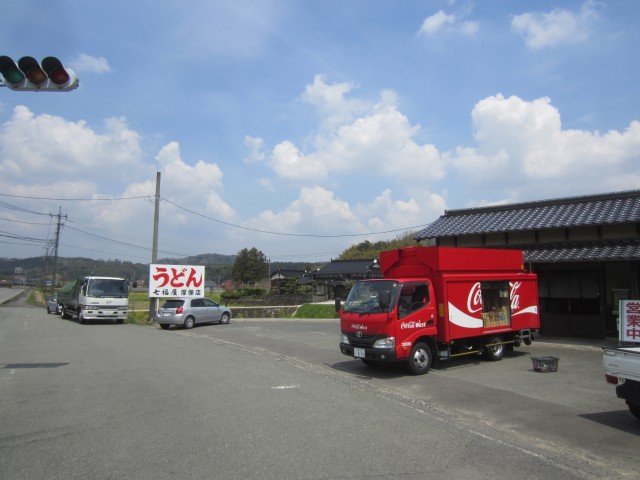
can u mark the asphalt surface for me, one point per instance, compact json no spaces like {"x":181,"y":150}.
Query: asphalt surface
{"x":274,"y":398}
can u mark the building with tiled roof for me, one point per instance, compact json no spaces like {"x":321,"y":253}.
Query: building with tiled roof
{"x":335,"y":278}
{"x":585,"y":250}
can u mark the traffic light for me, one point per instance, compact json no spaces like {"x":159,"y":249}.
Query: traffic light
{"x":30,"y":76}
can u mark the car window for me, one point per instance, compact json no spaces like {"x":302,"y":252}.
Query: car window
{"x":197,"y":302}
{"x":173,"y":304}
{"x":209,"y":303}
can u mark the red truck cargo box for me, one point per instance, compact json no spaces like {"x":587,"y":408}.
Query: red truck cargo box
{"x":426,"y":261}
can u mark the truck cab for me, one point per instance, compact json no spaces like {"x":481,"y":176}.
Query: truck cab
{"x":381,"y":319}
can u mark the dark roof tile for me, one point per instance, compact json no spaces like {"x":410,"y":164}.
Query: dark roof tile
{"x":605,"y":209}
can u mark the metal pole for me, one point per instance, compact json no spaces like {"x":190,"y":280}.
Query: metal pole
{"x":153,"y":301}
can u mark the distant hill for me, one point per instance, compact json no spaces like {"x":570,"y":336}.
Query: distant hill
{"x":218,"y":267}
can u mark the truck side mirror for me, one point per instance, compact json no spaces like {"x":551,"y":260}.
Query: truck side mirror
{"x":338,"y":305}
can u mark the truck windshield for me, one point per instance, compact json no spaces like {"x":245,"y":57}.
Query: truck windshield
{"x":107,"y":287}
{"x":375,"y":296}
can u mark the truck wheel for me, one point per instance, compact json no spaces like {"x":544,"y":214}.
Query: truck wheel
{"x":420,"y":359}
{"x":80,"y":317}
{"x":634,"y":409}
{"x":188,"y":322}
{"x":63,"y":313}
{"x":494,"y":352}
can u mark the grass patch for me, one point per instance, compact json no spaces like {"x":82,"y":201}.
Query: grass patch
{"x":315,"y":310}
{"x":138,"y":318}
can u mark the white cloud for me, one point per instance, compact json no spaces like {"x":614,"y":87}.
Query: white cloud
{"x":290,"y":164}
{"x":255,"y":145}
{"x":91,"y":64}
{"x":380,"y":142}
{"x":35,"y":143}
{"x":522,"y":143}
{"x":332,"y":101}
{"x":442,"y":22}
{"x":559,"y":26}
{"x":192,"y":186}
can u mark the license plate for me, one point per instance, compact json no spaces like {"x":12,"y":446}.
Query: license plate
{"x":358,"y":352}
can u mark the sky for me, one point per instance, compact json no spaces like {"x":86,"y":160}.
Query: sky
{"x":301,"y":128}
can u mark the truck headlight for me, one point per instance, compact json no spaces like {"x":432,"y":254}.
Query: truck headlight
{"x":386,"y":343}
{"x":344,"y":339}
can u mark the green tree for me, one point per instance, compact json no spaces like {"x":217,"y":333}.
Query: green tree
{"x":249,"y":267}
{"x":367,"y":250}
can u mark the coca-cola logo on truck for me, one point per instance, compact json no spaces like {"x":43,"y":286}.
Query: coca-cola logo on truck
{"x":474,"y":300}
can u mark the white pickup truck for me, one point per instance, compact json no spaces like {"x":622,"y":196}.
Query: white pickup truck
{"x":622,"y":368}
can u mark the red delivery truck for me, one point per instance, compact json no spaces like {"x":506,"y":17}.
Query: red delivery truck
{"x":434,"y":303}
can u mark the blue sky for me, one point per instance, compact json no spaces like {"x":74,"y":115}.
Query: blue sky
{"x":301,"y":127}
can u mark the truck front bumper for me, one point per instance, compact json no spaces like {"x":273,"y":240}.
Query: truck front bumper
{"x":371,"y":354}
{"x":104,"y":314}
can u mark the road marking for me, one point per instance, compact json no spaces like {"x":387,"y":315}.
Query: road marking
{"x":285,"y":387}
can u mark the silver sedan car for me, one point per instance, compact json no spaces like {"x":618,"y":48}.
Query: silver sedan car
{"x":52,"y":304}
{"x":187,"y":312}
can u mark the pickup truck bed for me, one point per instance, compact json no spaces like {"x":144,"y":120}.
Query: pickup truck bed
{"x":622,"y":368}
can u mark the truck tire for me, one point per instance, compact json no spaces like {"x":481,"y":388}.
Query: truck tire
{"x":634,"y":409}
{"x":80,"y":317}
{"x":420,"y":359}
{"x":494,"y":352}
{"x":63,"y":313}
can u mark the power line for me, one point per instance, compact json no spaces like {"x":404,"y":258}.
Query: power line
{"x":75,"y":199}
{"x":344,"y":235}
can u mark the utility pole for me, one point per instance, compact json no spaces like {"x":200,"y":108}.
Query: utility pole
{"x":55,"y":250}
{"x":153,"y":301}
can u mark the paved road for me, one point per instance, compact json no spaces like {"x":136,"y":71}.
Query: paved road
{"x":7,"y":294}
{"x":262,"y":399}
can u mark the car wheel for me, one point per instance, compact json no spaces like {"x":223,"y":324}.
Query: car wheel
{"x":164,"y":326}
{"x":48,"y":311}
{"x":224,"y":319}
{"x":189,"y":322}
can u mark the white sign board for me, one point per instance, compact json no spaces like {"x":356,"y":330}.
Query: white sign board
{"x":630,"y":321}
{"x":168,"y":281}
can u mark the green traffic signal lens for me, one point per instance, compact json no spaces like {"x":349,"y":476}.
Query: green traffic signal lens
{"x":10,"y":71}
{"x":13,"y":76}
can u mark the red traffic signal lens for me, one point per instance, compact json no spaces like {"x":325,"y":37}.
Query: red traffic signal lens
{"x":32,"y":70}
{"x":10,"y":71}
{"x":55,"y":70}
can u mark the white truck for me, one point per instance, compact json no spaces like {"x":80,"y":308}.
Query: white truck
{"x":95,"y":298}
{"x":622,"y":368}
